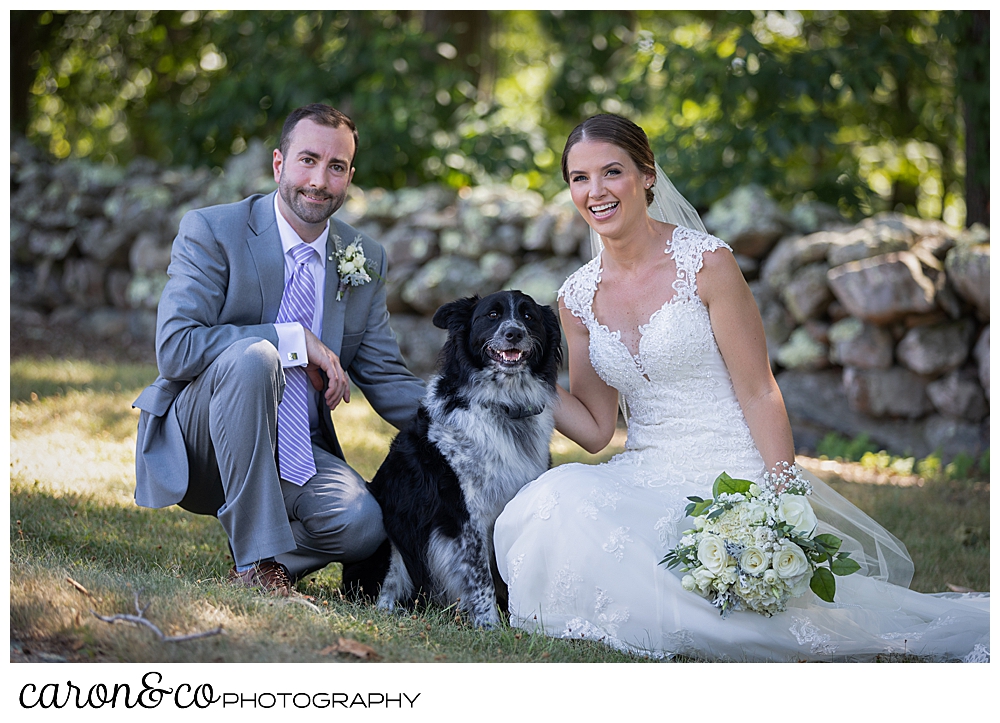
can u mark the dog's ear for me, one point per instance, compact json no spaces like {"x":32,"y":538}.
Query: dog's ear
{"x":455,"y":312}
{"x":553,"y":335}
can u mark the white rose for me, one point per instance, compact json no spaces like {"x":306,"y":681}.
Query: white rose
{"x":796,"y":511}
{"x":729,"y":575}
{"x":789,"y":561}
{"x":688,"y":583}
{"x":712,"y":554}
{"x":753,"y":560}
{"x":754,"y":490}
{"x":703,"y":579}
{"x":770,"y":576}
{"x":756,"y":512}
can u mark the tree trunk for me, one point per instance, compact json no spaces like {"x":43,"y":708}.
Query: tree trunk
{"x":973,"y":58}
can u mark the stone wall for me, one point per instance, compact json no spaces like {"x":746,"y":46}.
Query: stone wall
{"x":881,"y":327}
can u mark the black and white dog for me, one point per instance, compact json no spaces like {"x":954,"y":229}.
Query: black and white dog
{"x":482,"y":432}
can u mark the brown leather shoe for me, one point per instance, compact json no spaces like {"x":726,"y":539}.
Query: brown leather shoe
{"x":269,"y":577}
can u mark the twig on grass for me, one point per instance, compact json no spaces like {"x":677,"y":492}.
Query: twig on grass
{"x":140,"y":619}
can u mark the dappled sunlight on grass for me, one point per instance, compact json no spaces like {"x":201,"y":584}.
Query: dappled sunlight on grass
{"x":68,"y":460}
{"x":50,"y":377}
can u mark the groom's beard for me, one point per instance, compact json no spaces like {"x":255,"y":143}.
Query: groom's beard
{"x":309,"y":212}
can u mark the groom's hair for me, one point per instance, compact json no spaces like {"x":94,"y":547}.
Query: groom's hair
{"x":620,"y":132}
{"x":321,"y":114}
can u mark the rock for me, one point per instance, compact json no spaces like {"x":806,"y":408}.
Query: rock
{"x":937,"y":348}
{"x":801,"y":351}
{"x":817,"y":405}
{"x":444,"y":279}
{"x":538,"y":232}
{"x":894,"y":392}
{"x":142,"y":325}
{"x":981,"y":352}
{"x":144,"y":289}
{"x":497,"y":267}
{"x":748,"y":220}
{"x":407,"y":244}
{"x":419,"y":341}
{"x":149,"y":253}
{"x":778,"y":323}
{"x":968,"y":269}
{"x":857,"y":344}
{"x":884,"y":288}
{"x":571,"y":236}
{"x":792,"y":253}
{"x":251,"y":171}
{"x":749,"y":267}
{"x":106,"y":323}
{"x":958,"y":395}
{"x":395,"y":282}
{"x":83,"y":282}
{"x":951,"y":436}
{"x":542,"y":280}
{"x":808,"y":294}
{"x":51,"y":244}
{"x":866,"y":241}
{"x":116,"y":287}
{"x":39,"y":286}
{"x":811,"y":216}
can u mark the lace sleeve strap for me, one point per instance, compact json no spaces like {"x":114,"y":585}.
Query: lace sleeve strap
{"x":577,"y":291}
{"x":689,"y":249}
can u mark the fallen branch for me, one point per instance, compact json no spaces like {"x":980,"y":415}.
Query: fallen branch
{"x":140,"y":619}
{"x":79,"y":587}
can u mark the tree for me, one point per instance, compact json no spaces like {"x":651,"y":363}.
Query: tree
{"x":868,"y":110}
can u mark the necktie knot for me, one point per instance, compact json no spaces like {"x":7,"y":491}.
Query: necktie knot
{"x":302,"y":253}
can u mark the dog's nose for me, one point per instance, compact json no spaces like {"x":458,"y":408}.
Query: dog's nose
{"x":513,"y":335}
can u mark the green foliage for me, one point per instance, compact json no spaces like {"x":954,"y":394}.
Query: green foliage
{"x":856,"y":108}
{"x":823,"y":584}
{"x":726,"y":484}
{"x":837,"y":446}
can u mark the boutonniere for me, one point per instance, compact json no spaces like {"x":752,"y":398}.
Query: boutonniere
{"x":352,"y":266}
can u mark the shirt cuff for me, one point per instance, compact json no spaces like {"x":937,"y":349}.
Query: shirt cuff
{"x":292,"y":344}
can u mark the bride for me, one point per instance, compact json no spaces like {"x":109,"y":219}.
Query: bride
{"x":663,"y":319}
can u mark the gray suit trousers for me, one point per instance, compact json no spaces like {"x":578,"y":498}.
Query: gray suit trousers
{"x":228,"y":417}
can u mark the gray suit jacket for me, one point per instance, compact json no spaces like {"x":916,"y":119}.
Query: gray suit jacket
{"x":226,"y":278}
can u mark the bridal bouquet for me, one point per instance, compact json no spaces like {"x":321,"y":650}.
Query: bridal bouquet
{"x":754,"y":547}
{"x":352,"y":267}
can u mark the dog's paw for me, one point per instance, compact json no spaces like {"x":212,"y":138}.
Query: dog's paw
{"x":386,"y":603}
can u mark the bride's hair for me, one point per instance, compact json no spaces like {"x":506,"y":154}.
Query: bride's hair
{"x":620,"y":132}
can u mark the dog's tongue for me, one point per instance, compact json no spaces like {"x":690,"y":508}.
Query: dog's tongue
{"x":510,"y":355}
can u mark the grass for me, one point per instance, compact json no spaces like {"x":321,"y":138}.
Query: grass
{"x":72,"y":517}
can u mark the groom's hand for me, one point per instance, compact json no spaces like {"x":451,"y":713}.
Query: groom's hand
{"x":338,"y":386}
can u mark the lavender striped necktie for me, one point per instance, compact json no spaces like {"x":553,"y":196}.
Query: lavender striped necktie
{"x":295,"y":458}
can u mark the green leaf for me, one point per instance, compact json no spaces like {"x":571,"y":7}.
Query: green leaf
{"x":725,"y":483}
{"x":823,"y":584}
{"x":844,"y":566}
{"x":698,"y":508}
{"x":830,"y":542}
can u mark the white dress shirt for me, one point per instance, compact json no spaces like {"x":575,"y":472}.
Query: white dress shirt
{"x":291,"y":337}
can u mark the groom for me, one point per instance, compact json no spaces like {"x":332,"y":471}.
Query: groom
{"x":258,"y":336}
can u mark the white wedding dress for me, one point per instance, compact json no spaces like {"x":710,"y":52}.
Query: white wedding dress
{"x":580,"y":546}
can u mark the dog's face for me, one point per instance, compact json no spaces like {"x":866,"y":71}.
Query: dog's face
{"x":507,"y":331}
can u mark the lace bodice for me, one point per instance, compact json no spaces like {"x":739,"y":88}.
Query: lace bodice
{"x":677,"y":389}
